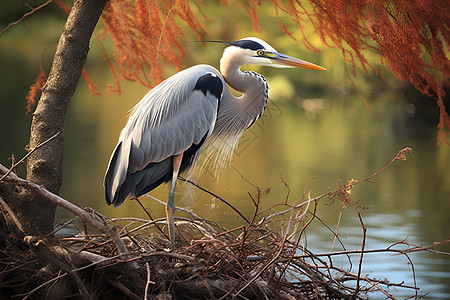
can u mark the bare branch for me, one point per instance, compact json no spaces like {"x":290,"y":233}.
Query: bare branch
{"x":91,"y":218}
{"x":29,"y":153}
{"x":148,"y":281}
{"x":24,"y":16}
{"x":362,"y":253}
{"x":12,"y":214}
{"x":217,"y":196}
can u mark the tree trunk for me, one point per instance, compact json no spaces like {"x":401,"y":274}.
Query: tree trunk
{"x":44,"y":166}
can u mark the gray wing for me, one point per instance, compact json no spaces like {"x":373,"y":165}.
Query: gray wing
{"x":175,"y":115}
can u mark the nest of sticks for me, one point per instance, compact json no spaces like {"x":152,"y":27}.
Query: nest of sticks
{"x":266,"y":258}
{"x":258,"y":261}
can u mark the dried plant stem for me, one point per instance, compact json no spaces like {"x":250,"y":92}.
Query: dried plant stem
{"x":400,"y":156}
{"x":29,"y":153}
{"x":91,"y":218}
{"x":337,"y":228}
{"x":176,"y":208}
{"x":217,"y":196}
{"x":25,"y":15}
{"x":266,"y":266}
{"x":12,"y":214}
{"x":362,"y":253}
{"x":297,"y":243}
{"x":148,"y":281}
{"x":148,"y":214}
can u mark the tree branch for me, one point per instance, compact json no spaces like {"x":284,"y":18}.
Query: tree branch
{"x":92,"y":218}
{"x":24,"y":16}
{"x":28,"y":154}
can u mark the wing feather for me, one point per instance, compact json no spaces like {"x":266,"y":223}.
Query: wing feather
{"x":171,"y":118}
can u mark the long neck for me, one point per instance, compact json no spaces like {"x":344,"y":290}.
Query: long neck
{"x":235,"y":113}
{"x":254,"y":87}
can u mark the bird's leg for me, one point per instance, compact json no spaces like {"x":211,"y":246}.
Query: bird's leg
{"x":170,"y":207}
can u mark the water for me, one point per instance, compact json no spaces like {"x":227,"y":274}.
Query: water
{"x":430,"y":271}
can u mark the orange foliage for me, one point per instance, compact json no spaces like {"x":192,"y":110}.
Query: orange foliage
{"x":92,"y":86}
{"x":145,"y":34}
{"x":63,"y":6}
{"x":34,"y":89}
{"x":411,"y":37}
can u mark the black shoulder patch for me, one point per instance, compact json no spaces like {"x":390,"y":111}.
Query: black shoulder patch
{"x":210,"y":83}
{"x":248,"y":44}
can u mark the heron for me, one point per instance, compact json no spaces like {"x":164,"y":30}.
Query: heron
{"x":173,"y":123}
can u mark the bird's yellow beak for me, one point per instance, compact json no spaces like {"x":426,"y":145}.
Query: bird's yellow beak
{"x":289,"y":61}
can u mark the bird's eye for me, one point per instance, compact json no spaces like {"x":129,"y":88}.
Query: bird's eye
{"x":260,"y":52}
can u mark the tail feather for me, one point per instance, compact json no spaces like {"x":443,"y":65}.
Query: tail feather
{"x":110,"y":176}
{"x":120,"y":183}
{"x":132,"y":184}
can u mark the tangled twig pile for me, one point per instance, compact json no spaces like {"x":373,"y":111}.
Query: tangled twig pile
{"x":264,"y":259}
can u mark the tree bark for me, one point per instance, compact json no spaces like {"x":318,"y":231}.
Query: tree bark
{"x":44,"y":166}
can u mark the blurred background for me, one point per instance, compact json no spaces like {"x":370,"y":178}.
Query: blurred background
{"x":316,"y":127}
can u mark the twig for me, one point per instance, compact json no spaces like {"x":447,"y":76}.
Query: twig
{"x":58,"y":228}
{"x":30,"y":152}
{"x":126,"y":291}
{"x":298,"y":242}
{"x":400,"y":156}
{"x":176,"y":208}
{"x":362,"y":253}
{"x":306,"y":189}
{"x":410,"y":261}
{"x":292,"y":208}
{"x":284,"y":182}
{"x":129,"y":219}
{"x":337,"y":237}
{"x":337,"y":228}
{"x":148,"y":281}
{"x":216,"y":196}
{"x":348,"y":252}
{"x":428,"y":248}
{"x":89,"y":217}
{"x":146,"y":224}
{"x":300,"y":218}
{"x":148,"y":214}
{"x":280,"y":250}
{"x":375,"y":284}
{"x":12,"y":215}
{"x":25,"y":15}
{"x":255,"y":203}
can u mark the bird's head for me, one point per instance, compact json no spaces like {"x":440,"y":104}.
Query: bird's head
{"x":254,"y":51}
